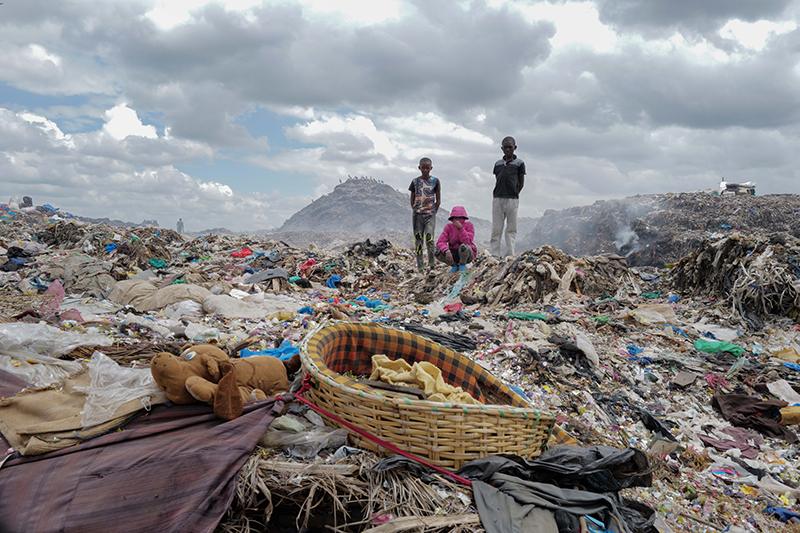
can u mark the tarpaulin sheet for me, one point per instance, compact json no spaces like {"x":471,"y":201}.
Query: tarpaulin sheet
{"x":174,"y":469}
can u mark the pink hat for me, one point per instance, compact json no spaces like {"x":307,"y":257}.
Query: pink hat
{"x":458,"y":212}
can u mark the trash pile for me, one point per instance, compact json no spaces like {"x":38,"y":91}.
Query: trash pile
{"x":755,"y":275}
{"x":660,"y":229}
{"x":689,"y":376}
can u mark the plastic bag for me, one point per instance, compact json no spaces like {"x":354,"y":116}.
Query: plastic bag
{"x":186,"y":308}
{"x":51,"y":303}
{"x":306,"y":444}
{"x":38,"y":370}
{"x":198,"y":333}
{"x":44,"y":339}
{"x":113,"y":385}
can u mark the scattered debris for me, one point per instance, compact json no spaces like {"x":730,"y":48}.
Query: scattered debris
{"x":670,"y":363}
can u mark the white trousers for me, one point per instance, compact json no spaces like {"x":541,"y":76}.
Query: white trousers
{"x":504,"y":211}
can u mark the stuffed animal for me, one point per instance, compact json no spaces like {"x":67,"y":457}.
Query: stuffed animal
{"x":205,"y":373}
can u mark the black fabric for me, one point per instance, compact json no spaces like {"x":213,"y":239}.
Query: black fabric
{"x":399,"y":461}
{"x":573,"y":355}
{"x":454,"y":341}
{"x":11,"y":266}
{"x":272,"y":259}
{"x":650,"y":421}
{"x":458,"y":316}
{"x":567,"y":522}
{"x":268,"y":274}
{"x":592,"y":468}
{"x":505,"y":508}
{"x":370,"y":249}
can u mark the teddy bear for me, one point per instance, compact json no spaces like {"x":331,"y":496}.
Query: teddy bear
{"x":205,"y":373}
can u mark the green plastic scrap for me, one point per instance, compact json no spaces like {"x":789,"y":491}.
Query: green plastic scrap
{"x":527,"y":316}
{"x":180,"y":281}
{"x":294,"y":279}
{"x":709,"y":346}
{"x":650,"y":294}
{"x":157,"y":263}
{"x":601,"y":318}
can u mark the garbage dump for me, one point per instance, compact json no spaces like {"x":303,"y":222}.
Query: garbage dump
{"x":674,"y":392}
{"x":659,"y":229}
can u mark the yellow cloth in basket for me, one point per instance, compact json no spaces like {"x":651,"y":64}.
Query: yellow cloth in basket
{"x":424,"y":375}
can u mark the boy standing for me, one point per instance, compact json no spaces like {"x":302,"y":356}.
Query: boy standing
{"x":426,"y":196}
{"x":509,"y":174}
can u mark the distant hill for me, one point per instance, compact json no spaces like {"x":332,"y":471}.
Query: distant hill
{"x":660,"y":228}
{"x":359,"y":205}
{"x":367,"y":207}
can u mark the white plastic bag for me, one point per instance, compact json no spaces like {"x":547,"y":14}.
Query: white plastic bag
{"x":38,"y":370}
{"x":186,"y":308}
{"x":44,"y":339}
{"x":113,"y":385}
{"x":306,"y":444}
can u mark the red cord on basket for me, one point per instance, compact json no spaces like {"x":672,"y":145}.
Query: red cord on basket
{"x":391,"y":447}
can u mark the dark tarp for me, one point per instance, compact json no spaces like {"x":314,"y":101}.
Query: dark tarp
{"x":529,"y":495}
{"x":517,"y":505}
{"x":593,"y":468}
{"x":174,"y":469}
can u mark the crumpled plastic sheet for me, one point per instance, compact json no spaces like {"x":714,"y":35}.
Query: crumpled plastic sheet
{"x":38,"y":370}
{"x":44,"y":339}
{"x":113,"y":385}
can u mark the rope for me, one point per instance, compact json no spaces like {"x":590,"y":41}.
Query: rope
{"x":391,"y":447}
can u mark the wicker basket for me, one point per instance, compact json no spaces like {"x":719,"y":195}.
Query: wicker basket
{"x":447,"y":435}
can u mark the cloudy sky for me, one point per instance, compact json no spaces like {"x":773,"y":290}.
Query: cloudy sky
{"x":239,"y":113}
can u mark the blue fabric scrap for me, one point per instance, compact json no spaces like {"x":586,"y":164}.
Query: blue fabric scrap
{"x":367,"y":302}
{"x":284,"y":352}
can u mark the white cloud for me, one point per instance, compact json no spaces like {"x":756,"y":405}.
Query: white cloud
{"x":348,"y":134}
{"x":577,"y":23}
{"x":755,"y":35}
{"x":171,"y":13}
{"x":216,"y":188}
{"x":50,"y":127}
{"x":122,"y":122}
{"x":39,"y":53}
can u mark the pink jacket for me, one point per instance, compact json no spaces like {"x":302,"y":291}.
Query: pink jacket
{"x":453,"y":237}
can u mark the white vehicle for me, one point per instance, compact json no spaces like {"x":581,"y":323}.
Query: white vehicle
{"x":727,"y":188}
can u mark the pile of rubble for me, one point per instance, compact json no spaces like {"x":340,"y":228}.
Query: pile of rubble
{"x":659,"y":229}
{"x":756,"y":274}
{"x":642,"y":358}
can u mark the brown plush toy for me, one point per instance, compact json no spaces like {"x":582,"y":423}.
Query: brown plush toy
{"x":205,"y":373}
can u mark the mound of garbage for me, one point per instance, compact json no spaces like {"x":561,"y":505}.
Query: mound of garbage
{"x":659,"y":229}
{"x":676,"y":391}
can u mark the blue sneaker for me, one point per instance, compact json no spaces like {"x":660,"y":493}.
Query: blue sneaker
{"x":462,"y":267}
{"x":454,"y":269}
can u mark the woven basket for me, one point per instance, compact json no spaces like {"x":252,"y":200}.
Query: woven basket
{"x":447,"y":435}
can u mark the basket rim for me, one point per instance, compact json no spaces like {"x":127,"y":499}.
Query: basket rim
{"x":368,"y":393}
